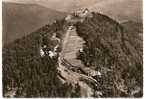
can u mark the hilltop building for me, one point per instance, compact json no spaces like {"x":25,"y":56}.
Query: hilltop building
{"x":83,"y":13}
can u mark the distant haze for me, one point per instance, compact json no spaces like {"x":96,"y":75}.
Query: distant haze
{"x":21,"y":19}
{"x":120,"y":10}
{"x":35,"y":13}
{"x":114,"y":8}
{"x":61,"y":5}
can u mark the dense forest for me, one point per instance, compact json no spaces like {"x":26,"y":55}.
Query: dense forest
{"x":26,"y":71}
{"x":109,"y":45}
{"x":109,"y":48}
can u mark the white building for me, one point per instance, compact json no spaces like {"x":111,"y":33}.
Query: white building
{"x":83,"y":13}
{"x":69,"y":17}
{"x":42,"y":53}
{"x":52,"y":54}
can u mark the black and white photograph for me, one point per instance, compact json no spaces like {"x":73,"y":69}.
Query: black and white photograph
{"x":72,"y":49}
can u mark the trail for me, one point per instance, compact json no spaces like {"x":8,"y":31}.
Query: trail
{"x":69,"y":65}
{"x":72,"y":70}
{"x":71,"y":45}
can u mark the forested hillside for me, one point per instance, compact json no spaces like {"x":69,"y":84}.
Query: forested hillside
{"x":109,"y":45}
{"x":26,"y":71}
{"x":112,"y":58}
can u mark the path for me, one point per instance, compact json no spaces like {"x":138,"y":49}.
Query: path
{"x":71,"y":45}
{"x":68,"y":59}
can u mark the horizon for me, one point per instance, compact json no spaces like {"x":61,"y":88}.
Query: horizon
{"x":71,"y":5}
